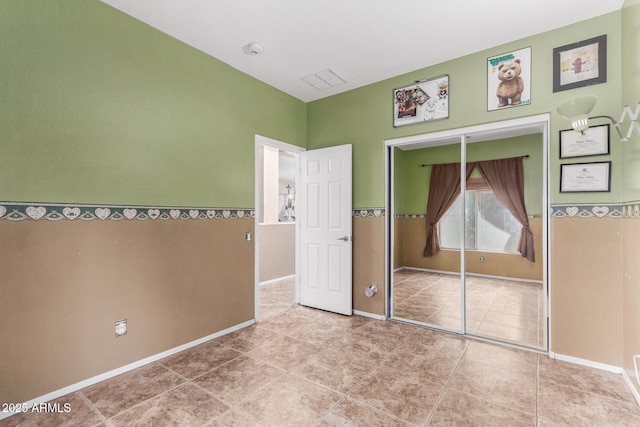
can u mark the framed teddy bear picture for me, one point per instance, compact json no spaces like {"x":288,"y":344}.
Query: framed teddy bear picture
{"x":509,"y":80}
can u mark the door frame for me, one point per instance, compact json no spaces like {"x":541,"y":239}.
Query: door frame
{"x":259,"y":142}
{"x":525,"y":125}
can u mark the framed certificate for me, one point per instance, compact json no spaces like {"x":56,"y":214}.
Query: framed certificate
{"x":585,"y":177}
{"x":594,"y":142}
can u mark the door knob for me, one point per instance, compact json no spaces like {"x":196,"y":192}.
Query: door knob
{"x":345,"y":238}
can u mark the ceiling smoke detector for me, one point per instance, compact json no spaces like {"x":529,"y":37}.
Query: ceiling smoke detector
{"x":253,"y":49}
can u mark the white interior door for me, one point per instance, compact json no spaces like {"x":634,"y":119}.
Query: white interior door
{"x":324,"y":218}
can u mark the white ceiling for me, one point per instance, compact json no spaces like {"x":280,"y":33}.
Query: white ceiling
{"x":362,"y":41}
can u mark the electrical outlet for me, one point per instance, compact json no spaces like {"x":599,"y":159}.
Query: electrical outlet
{"x":481,"y":259}
{"x":121,"y":327}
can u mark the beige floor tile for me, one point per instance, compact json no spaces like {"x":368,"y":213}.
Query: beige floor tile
{"x":438,"y":366}
{"x":572,"y":406}
{"x":294,"y":321}
{"x":290,"y":401}
{"x":198,"y":360}
{"x":185,"y":405}
{"x":233,"y":418}
{"x":248,"y":339}
{"x":460,"y":409}
{"x":336,"y":370}
{"x":502,"y":387}
{"x":362,"y":346}
{"x":382,"y":337}
{"x":239,"y":378}
{"x":318,"y":333}
{"x":350,"y":413}
{"x":345,"y":322}
{"x":120,"y":393}
{"x":510,"y":359}
{"x":573,"y":376}
{"x":423,"y":340}
{"x":285,"y":352}
{"x":399,"y":392}
{"x":390,"y":329}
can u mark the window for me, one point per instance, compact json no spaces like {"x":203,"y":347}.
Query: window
{"x":489,"y":226}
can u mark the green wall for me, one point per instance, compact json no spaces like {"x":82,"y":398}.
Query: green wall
{"x":100,"y":108}
{"x":412,"y":180}
{"x":363,"y":117}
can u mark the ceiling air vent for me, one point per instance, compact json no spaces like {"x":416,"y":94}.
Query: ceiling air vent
{"x":324,"y":80}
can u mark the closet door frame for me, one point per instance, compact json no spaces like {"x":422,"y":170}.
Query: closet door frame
{"x":539,"y":124}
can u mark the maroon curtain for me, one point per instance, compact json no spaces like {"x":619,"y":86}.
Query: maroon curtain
{"x":444,"y":189}
{"x":505,"y":177}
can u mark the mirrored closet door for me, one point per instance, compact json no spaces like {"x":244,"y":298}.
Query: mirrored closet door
{"x":426,"y":290}
{"x":486,"y":192}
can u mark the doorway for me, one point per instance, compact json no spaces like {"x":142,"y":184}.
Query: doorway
{"x":276,"y":237}
{"x":303,"y":223}
{"x":476,"y":283}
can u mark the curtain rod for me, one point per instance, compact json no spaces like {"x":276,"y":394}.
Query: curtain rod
{"x":524,"y":157}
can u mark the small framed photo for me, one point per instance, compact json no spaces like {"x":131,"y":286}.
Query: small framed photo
{"x":509,"y":80}
{"x":594,"y":142}
{"x":422,"y":101}
{"x":585,"y":177}
{"x":580,"y":64}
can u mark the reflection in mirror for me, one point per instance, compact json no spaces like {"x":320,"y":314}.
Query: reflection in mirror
{"x":424,"y":290}
{"x":504,"y":293}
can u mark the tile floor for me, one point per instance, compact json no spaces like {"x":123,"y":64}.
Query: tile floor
{"x":507,"y":310}
{"x":305,"y":367}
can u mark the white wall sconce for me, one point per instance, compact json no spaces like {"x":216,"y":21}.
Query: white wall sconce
{"x":577,"y":112}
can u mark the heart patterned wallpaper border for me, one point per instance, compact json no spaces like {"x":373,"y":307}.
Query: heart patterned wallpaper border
{"x":628,"y":210}
{"x":14,"y":211}
{"x":19,"y":211}
{"x":368,"y":213}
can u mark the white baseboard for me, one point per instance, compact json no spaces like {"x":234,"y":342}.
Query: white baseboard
{"x":278,"y":279}
{"x":632,"y":387}
{"x":370,"y":315}
{"x":585,"y":362}
{"x":126,"y":368}
{"x":489,"y":276}
{"x":428,"y":270}
{"x":610,"y":368}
